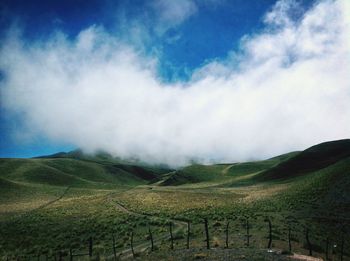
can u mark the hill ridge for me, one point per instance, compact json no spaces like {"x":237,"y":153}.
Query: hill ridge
{"x":312,"y":159}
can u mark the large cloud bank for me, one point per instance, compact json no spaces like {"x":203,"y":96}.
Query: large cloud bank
{"x":287,"y":88}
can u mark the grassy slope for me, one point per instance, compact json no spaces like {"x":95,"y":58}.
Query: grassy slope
{"x":323,"y":191}
{"x":220,"y":172}
{"x":75,"y":172}
{"x":310,"y":160}
{"x":26,"y":184}
{"x":64,"y":172}
{"x":312,"y":181}
{"x":194,"y":174}
{"x":286,"y":166}
{"x":316,"y":197}
{"x":105,"y":158}
{"x":38,"y":213}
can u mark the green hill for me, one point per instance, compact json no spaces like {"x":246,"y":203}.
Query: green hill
{"x":312,"y":159}
{"x":194,"y":174}
{"x":244,"y":168}
{"x":7,"y":187}
{"x":76,"y":169}
{"x":64,"y":170}
{"x":220,"y":172}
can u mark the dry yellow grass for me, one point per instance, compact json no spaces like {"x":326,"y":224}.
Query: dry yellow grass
{"x":258,"y":192}
{"x":172,"y":201}
{"x":20,"y":207}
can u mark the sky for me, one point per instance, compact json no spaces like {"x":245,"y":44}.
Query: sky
{"x":173,"y":81}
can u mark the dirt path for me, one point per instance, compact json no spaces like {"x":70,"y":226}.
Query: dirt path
{"x":55,"y":200}
{"x":298,"y":257}
{"x":125,"y":210}
{"x":43,"y":205}
{"x":225,"y":170}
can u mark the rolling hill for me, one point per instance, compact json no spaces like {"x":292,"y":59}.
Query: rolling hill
{"x":312,"y":159}
{"x":284,"y":167}
{"x":18,"y":177}
{"x":220,"y":172}
{"x":77,"y":169}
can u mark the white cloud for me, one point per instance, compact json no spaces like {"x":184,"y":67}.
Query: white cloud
{"x":282,"y":12}
{"x":172,"y":13}
{"x":289,"y":90}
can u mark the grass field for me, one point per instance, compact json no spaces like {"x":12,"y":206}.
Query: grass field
{"x":57,"y":203}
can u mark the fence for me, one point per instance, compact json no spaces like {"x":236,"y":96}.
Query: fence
{"x":289,"y":235}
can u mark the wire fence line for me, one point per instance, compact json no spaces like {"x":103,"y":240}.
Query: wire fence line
{"x":269,"y":234}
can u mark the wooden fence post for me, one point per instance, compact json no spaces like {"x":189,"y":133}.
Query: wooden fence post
{"x":290,"y":239}
{"x":342,"y":247}
{"x":248,"y":235}
{"x":114,"y":250}
{"x":132,"y":243}
{"x":171,"y":235}
{"x":270,"y":233}
{"x":227,"y":226}
{"x":188,"y":234}
{"x":90,"y":247}
{"x":308,"y":242}
{"x":151,"y":237}
{"x":206,"y":232}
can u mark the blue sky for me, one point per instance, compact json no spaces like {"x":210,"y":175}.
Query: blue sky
{"x":213,"y":29}
{"x":178,"y":38}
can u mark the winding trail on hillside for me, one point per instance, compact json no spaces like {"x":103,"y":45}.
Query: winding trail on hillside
{"x":143,"y":246}
{"x":45,"y":204}
{"x":225,"y":170}
{"x":54,"y":200}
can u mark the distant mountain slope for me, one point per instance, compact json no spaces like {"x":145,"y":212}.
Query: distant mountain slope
{"x":244,"y":168}
{"x":95,"y":157}
{"x":75,"y":170}
{"x":220,"y":172}
{"x":142,"y":169}
{"x":193,"y":174}
{"x":322,"y":194}
{"x":312,"y":159}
